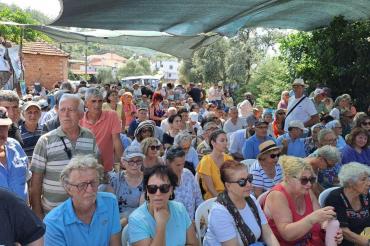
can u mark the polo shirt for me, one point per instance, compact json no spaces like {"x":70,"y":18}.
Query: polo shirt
{"x":63,"y":227}
{"x":108,"y":124}
{"x":30,"y":139}
{"x":229,"y":126}
{"x":237,"y":140}
{"x":302,"y":112}
{"x":260,"y":178}
{"x":18,"y":222}
{"x":295,"y":147}
{"x":13,"y":176}
{"x":250,"y":147}
{"x":50,"y":157}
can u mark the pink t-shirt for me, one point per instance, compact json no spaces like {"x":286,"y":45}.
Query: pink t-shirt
{"x":103,"y":129}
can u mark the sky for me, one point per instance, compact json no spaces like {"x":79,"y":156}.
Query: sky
{"x":49,"y":8}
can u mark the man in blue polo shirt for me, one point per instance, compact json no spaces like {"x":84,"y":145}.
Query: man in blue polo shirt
{"x":292,"y":142}
{"x":250,"y":148}
{"x":88,"y":217}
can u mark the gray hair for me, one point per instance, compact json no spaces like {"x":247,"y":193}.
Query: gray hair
{"x":182,"y":137}
{"x":351,"y":172}
{"x":74,"y":97}
{"x":92,"y":92}
{"x":67,"y":86}
{"x":8,"y":96}
{"x":329,"y":153}
{"x":323,"y":133}
{"x":80,"y":162}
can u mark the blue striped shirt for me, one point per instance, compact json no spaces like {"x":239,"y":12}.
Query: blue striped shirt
{"x":260,"y":178}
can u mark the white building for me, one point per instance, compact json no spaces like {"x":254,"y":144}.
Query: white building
{"x":169,"y":69}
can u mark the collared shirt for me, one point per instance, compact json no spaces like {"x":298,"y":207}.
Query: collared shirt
{"x":107,"y":125}
{"x":230,"y":127}
{"x":13,"y":175}
{"x":192,"y":156}
{"x":296,"y":147}
{"x":63,"y":227}
{"x":30,"y":139}
{"x":320,"y":107}
{"x":50,"y":157}
{"x":237,"y":140}
{"x":203,"y":149}
{"x":302,"y":112}
{"x":250,"y":148}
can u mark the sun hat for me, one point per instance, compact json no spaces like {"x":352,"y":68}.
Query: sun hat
{"x":4,"y":118}
{"x":299,"y":81}
{"x":30,"y":104}
{"x":296,"y":124}
{"x":267,"y":146}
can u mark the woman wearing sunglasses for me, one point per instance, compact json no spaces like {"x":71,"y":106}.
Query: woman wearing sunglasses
{"x":267,"y":171}
{"x":151,"y":149}
{"x":159,"y":220}
{"x":292,"y":209}
{"x":236,"y":218}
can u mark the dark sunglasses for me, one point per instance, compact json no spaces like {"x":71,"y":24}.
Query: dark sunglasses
{"x":155,"y":147}
{"x":273,"y":156}
{"x":305,"y":180}
{"x":367,"y":123}
{"x":163,"y":188}
{"x":243,"y":182}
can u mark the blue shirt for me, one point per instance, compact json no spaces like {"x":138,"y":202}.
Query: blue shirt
{"x":192,"y":157}
{"x":250,"y":148}
{"x":13,"y":175}
{"x":296,"y":147}
{"x":237,"y":140}
{"x":142,"y":225}
{"x":63,"y":227}
{"x":349,"y":154}
{"x":30,"y":139}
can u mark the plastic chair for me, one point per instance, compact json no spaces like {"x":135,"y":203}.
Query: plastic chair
{"x":124,"y":236}
{"x":201,"y":215}
{"x":261,"y":199}
{"x":323,"y":195}
{"x":248,"y":163}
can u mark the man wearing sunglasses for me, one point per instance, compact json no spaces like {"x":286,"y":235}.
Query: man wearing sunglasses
{"x":292,"y":142}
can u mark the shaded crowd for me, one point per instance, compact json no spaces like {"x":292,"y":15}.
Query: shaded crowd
{"x":174,"y":165}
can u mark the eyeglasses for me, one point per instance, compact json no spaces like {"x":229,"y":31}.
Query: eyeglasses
{"x":135,"y":163}
{"x":366,"y":123}
{"x":305,"y":180}
{"x":243,"y":182}
{"x":155,"y":147}
{"x":81,"y":187}
{"x":273,"y":156}
{"x":163,"y":188}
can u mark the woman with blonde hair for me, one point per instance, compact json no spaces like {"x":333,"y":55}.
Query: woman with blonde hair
{"x":151,"y":149}
{"x":129,"y":108}
{"x":298,"y":217}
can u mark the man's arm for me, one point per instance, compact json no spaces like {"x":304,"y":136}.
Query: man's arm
{"x":117,"y":145}
{"x":312,"y":121}
{"x":115,"y":240}
{"x":36,"y":188}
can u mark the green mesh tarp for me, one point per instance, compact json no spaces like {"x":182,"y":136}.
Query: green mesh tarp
{"x":191,"y":17}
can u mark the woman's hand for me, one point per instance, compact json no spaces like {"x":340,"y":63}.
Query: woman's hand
{"x":339,"y":236}
{"x":321,"y":215}
{"x":161,"y":215}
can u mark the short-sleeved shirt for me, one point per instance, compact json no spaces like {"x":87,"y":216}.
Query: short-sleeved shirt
{"x":107,"y":125}
{"x":250,"y":148}
{"x":30,"y":139}
{"x":230,"y":127}
{"x":18,"y":222}
{"x":128,"y":197}
{"x":106,"y":107}
{"x":192,"y":157}
{"x":207,"y":166}
{"x":142,"y":225}
{"x":13,"y":175}
{"x":222,"y":227}
{"x":356,"y":221}
{"x":296,"y":147}
{"x":349,"y":154}
{"x":237,"y":140}
{"x":188,"y":192}
{"x":260,"y":178}
{"x":63,"y":227}
{"x":50,"y":157}
{"x":203,"y":149}
{"x":302,"y":112}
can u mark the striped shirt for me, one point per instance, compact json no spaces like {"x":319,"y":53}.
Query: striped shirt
{"x":50,"y":157}
{"x":30,"y":139}
{"x":260,"y":178}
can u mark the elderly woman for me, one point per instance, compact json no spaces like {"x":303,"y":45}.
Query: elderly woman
{"x":336,"y":126}
{"x":159,"y":220}
{"x":127,"y":183}
{"x":236,"y":218}
{"x":183,"y":140}
{"x":339,"y":105}
{"x":175,"y":127}
{"x":187,"y":191}
{"x":351,"y":202}
{"x":363,"y":122}
{"x":312,"y":142}
{"x":209,"y":167}
{"x":151,"y":149}
{"x":278,"y":123}
{"x":297,"y":218}
{"x":144,"y":130}
{"x":357,"y":147}
{"x":267,"y":117}
{"x":67,"y":224}
{"x":266,"y":172}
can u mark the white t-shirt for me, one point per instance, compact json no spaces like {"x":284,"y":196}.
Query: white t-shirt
{"x":245,"y":108}
{"x":335,"y":113}
{"x":221,"y":225}
{"x":302,"y":112}
{"x":229,"y":126}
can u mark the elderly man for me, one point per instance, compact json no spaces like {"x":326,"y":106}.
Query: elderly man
{"x":54,"y":150}
{"x":165,"y":126}
{"x":293,"y":143}
{"x":142,"y":115}
{"x":88,"y":217}
{"x":13,"y":160}
{"x":204,"y":148}
{"x":301,"y":107}
{"x":53,"y":122}
{"x":318,"y":100}
{"x":10,"y":101}
{"x":106,"y":127}
{"x":234,"y":123}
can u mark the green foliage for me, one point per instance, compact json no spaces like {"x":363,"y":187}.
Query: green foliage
{"x":134,"y":68}
{"x":105,"y":76}
{"x":77,"y":50}
{"x":336,"y":56}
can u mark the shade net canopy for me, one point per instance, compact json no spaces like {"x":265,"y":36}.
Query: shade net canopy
{"x":192,"y":17}
{"x":179,"y":46}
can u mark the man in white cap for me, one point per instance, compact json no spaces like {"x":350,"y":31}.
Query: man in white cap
{"x":300,"y":107}
{"x":165,"y":126}
{"x":292,"y":142}
{"x":318,"y":100}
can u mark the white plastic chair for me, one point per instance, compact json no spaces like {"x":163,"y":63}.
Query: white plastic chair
{"x":323,"y":195}
{"x":124,"y":236}
{"x":248,"y":163}
{"x":261,"y":199}
{"x":201,"y":214}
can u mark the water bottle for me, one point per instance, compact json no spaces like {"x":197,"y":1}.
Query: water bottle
{"x":331,"y":231}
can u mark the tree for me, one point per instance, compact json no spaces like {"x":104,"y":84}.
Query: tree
{"x":105,"y":76}
{"x":134,"y":68}
{"x":336,"y":56}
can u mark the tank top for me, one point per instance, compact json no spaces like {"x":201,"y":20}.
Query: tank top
{"x":313,"y":238}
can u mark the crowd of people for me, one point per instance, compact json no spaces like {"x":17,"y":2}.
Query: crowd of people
{"x":81,"y":165}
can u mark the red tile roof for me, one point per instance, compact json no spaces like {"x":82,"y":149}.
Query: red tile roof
{"x":42,"y":48}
